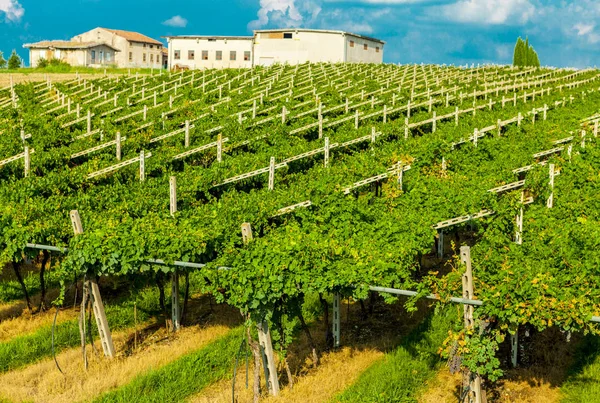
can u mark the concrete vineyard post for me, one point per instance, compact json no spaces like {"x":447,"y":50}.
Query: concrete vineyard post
{"x":219,"y":147}
{"x":264,"y":335}
{"x":272,"y":173}
{"x":142,"y":166}
{"x":552,"y":173}
{"x":89,"y":121}
{"x":27,"y":161}
{"x":118,"y":140}
{"x":97,"y":305}
{"x":187,"y":134}
{"x":326,"y":152}
{"x":473,"y":380}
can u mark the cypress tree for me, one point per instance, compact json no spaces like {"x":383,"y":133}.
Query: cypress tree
{"x":524,"y":55}
{"x":518,"y":53}
{"x":14,"y":61}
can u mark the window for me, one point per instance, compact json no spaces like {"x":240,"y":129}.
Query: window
{"x":151,"y":46}
{"x":232,"y":55}
{"x":287,"y":35}
{"x":247,"y":55}
{"x":351,"y":44}
{"x":130,"y":56}
{"x":144,"y":45}
{"x":212,"y":40}
{"x":108,"y":56}
{"x":151,"y":58}
{"x":176,"y":54}
{"x":143,"y":57}
{"x":377,"y":49}
{"x":101,"y":56}
{"x":93,"y":56}
{"x":366,"y":47}
{"x":205,"y":55}
{"x":219,"y":55}
{"x":191,"y":54}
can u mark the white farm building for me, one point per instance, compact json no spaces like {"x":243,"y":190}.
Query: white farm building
{"x":267,"y":47}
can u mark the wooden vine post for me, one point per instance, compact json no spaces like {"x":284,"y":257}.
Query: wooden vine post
{"x":264,"y":335}
{"x":472,"y":380}
{"x":97,"y":306}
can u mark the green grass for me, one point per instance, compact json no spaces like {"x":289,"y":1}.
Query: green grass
{"x":184,"y":377}
{"x":583,"y":383}
{"x":401,"y":375}
{"x":73,"y":69}
{"x":33,"y":347}
{"x":11,"y":290}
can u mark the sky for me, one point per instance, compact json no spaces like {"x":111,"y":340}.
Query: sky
{"x":564,"y":33}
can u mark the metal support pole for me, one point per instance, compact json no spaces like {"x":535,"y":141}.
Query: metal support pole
{"x":440,"y":248}
{"x":175,"y":312}
{"x":336,"y":320}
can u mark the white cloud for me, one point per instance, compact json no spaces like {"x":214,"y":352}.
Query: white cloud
{"x":583,"y":29}
{"x":495,"y":12}
{"x":12,"y":10}
{"x":175,"y":21}
{"x":587,"y":31}
{"x":286,"y":13}
{"x":379,"y":1}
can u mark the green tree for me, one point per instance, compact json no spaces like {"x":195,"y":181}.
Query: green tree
{"x":2,"y":60}
{"x":517,"y":55}
{"x":14,"y":61}
{"x":524,"y":54}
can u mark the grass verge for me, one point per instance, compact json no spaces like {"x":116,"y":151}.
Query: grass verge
{"x":182,"y":378}
{"x":583,"y":383}
{"x":402,"y":374}
{"x":30,"y":348}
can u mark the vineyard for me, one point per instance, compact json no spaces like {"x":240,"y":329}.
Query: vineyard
{"x":460,"y":203}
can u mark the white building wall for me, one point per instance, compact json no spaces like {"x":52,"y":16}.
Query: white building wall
{"x":356,"y":52}
{"x":131,"y":54}
{"x":184,"y":46}
{"x":302,"y":47}
{"x":75,"y":57}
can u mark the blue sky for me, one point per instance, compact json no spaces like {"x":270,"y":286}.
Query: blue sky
{"x":564,"y":33}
